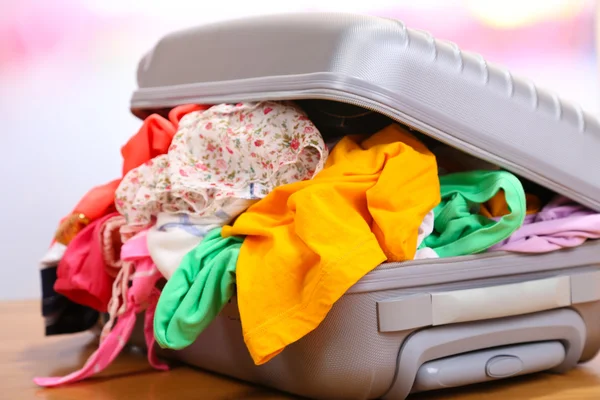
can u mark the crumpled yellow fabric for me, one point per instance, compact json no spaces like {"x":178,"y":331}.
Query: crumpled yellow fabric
{"x":310,"y":241}
{"x":497,"y":207}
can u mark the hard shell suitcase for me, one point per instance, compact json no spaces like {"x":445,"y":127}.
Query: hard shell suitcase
{"x":418,"y":325}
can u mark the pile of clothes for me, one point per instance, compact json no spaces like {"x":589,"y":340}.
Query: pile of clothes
{"x":285,"y":204}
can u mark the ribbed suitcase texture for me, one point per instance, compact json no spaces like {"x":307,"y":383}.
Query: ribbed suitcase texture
{"x":370,"y":346}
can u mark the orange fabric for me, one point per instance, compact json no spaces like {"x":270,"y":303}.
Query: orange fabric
{"x":153,"y":139}
{"x":309,"y":241}
{"x":497,"y":207}
{"x":70,"y":227}
{"x":98,"y":201}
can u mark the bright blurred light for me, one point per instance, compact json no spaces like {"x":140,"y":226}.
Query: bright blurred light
{"x":189,"y":9}
{"x":219,"y":10}
{"x":518,"y":13}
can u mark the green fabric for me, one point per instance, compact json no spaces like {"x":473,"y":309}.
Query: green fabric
{"x":458,"y":228}
{"x":197,"y":291}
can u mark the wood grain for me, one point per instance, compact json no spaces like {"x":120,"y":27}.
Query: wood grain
{"x":25,"y":353}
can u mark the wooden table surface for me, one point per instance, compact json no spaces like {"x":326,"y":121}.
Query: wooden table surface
{"x":25,"y":353}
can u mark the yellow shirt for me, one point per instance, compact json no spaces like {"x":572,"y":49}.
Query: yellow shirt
{"x":308,"y":242}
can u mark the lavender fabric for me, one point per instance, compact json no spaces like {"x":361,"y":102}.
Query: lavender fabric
{"x":560,"y":224}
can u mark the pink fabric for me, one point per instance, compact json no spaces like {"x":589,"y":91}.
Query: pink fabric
{"x":142,"y":295}
{"x":81,"y":273}
{"x":562,"y":223}
{"x":111,"y":244}
{"x":127,"y":231}
{"x":118,"y":302}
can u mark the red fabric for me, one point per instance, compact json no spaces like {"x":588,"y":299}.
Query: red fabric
{"x":153,"y":139}
{"x":81,"y":273}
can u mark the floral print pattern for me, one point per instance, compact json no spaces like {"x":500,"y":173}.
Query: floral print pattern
{"x":228,"y":152}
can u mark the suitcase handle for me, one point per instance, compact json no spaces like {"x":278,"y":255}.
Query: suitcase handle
{"x":449,"y":307}
{"x":564,"y":326}
{"x":488,"y":365}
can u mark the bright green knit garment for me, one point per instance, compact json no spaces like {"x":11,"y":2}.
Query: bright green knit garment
{"x":197,"y":291}
{"x":459,"y":229}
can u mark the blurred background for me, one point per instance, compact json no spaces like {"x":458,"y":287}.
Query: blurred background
{"x":67,"y":69}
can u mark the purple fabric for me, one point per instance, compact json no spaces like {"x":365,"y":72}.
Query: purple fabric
{"x":561,"y":223}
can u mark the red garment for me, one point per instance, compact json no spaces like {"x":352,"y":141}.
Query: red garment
{"x":153,"y":139}
{"x":81,"y":273}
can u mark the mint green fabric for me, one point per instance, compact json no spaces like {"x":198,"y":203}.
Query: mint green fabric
{"x":458,"y":228}
{"x":197,"y":291}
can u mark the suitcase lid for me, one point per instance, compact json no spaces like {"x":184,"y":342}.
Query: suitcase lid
{"x":430,"y":85}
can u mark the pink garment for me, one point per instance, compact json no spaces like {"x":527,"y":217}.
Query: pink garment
{"x":142,"y":295}
{"x":110,"y":237}
{"x":112,"y":242}
{"x":81,"y":273}
{"x":118,"y":302}
{"x":560,"y":224}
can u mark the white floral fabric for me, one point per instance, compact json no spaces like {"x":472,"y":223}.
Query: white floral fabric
{"x":225,"y":153}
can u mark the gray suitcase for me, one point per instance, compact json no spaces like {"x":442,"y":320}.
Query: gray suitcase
{"x":419,"y":325}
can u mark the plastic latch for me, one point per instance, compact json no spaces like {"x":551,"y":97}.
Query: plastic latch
{"x":503,"y":366}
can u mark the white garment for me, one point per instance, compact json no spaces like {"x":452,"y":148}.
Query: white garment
{"x":53,"y":255}
{"x":425,"y":229}
{"x":175,"y":235}
{"x":425,"y":253}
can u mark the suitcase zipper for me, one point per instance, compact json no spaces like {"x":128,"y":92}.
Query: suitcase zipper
{"x":159,"y":97}
{"x":415,"y":125}
{"x":415,"y":273}
{"x":146,"y":98}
